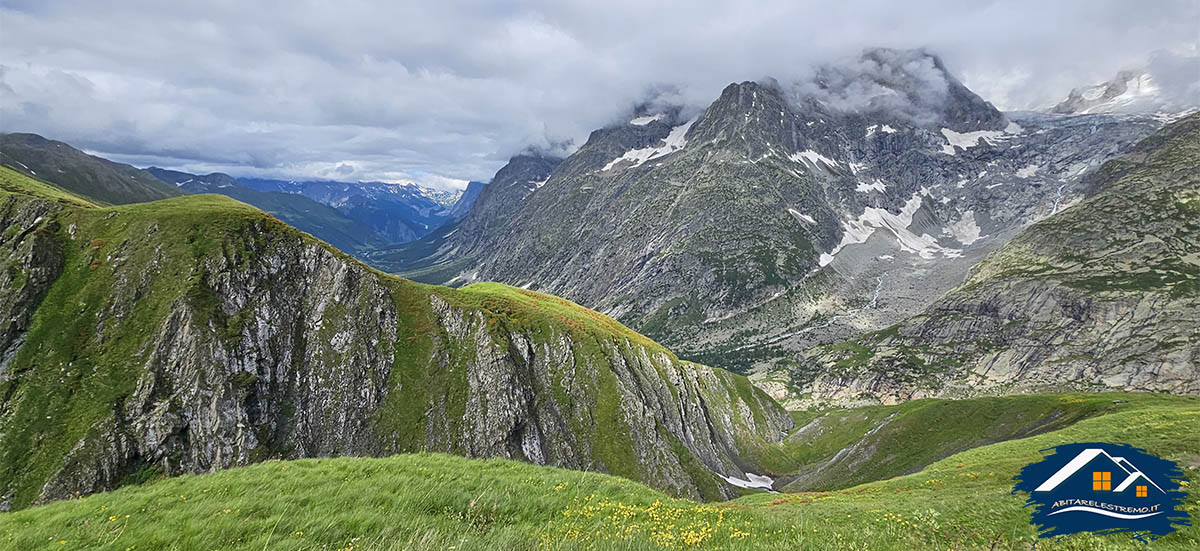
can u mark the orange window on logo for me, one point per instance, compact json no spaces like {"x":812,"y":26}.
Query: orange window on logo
{"x":1141,"y":491}
{"x":1101,"y":480}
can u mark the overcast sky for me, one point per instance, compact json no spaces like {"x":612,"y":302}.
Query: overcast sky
{"x":443,"y":91}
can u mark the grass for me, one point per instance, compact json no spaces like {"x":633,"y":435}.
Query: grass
{"x":879,"y":439}
{"x":15,"y":182}
{"x":532,"y":308}
{"x":431,"y":501}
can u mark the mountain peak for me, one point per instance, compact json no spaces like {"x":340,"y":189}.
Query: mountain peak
{"x":755,"y":112}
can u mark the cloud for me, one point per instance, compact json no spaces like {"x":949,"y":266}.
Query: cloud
{"x":405,"y":90}
{"x":870,"y":83}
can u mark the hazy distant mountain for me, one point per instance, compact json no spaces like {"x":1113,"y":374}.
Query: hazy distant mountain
{"x":466,"y":200}
{"x":1168,"y":84}
{"x":398,"y":212}
{"x":74,"y":170}
{"x":323,"y":222}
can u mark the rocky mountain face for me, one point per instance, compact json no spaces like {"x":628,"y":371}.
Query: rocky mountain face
{"x":92,"y":177}
{"x":1103,"y":295}
{"x":781,"y":216}
{"x":465,"y":201}
{"x":197,"y":333}
{"x":398,"y":212}
{"x":444,"y":255}
{"x":323,"y":222}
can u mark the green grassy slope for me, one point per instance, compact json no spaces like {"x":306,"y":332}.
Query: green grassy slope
{"x":442,"y":502}
{"x":14,"y":181}
{"x":85,"y":175}
{"x":838,"y":448}
{"x":310,"y":216}
{"x":128,"y":269}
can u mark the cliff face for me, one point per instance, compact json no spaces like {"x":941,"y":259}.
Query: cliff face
{"x":1105,"y":294}
{"x":195,"y":334}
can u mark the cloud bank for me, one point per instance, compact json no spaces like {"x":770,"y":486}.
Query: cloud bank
{"x":443,"y":92}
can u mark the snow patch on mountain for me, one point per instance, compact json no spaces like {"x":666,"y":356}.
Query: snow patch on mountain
{"x":811,"y":157}
{"x":643,"y":121}
{"x":877,"y":185}
{"x":871,"y":130}
{"x":752,"y":481}
{"x":674,"y":141}
{"x":1027,"y":171}
{"x":965,"y":230}
{"x":801,"y":217}
{"x":1137,"y":89}
{"x":857,"y":231}
{"x":967,"y":140}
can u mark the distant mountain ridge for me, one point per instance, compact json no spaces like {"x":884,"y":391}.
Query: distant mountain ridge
{"x":466,"y":200}
{"x":323,"y":222}
{"x":79,"y":172}
{"x":398,"y":212}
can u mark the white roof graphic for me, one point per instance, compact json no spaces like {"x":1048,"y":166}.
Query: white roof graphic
{"x":1085,"y":457}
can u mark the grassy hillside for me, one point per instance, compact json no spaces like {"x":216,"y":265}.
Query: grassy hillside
{"x":157,"y":311}
{"x":14,"y":181}
{"x":837,"y":448}
{"x":85,"y":175}
{"x":440,"y":502}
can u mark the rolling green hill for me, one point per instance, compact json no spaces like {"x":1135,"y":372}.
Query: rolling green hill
{"x":199,"y":333}
{"x":86,"y":175}
{"x":431,"y":501}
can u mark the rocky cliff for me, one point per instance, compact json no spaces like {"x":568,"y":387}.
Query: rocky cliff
{"x":197,"y":333}
{"x":1103,"y":295}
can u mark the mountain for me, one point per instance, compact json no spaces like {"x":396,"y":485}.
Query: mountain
{"x":398,"y":212}
{"x":779,"y":217}
{"x":1169,"y":83}
{"x":1103,"y":295}
{"x":198,"y":333}
{"x":323,"y":222}
{"x":87,"y":175}
{"x":441,"y":256}
{"x":466,"y":200}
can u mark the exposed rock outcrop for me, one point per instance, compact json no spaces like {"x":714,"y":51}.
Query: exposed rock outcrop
{"x":1104,"y":295}
{"x":196,"y":334}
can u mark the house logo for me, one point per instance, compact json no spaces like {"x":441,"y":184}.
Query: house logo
{"x":1105,"y":489}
